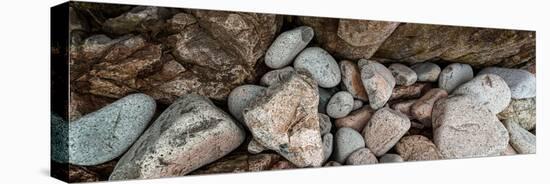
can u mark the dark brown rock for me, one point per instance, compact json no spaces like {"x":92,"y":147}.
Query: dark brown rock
{"x":245,"y":163}
{"x":408,"y":92}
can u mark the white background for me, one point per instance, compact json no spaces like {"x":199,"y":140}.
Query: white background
{"x":24,"y":90}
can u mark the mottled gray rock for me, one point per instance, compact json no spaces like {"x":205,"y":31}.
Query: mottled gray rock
{"x":351,"y":79}
{"x":522,"y":83}
{"x":421,"y":110}
{"x":287,"y":45}
{"x":275,"y":76}
{"x":463,"y":128}
{"x":241,"y":97}
{"x":357,"y":104}
{"x":320,"y":64}
{"x":285,"y":120}
{"x":59,"y":138}
{"x":523,"y":141}
{"x":426,"y":72}
{"x":346,"y":141}
{"x":378,"y":81}
{"x":324,"y":123}
{"x":403,"y":75}
{"x":324,"y":97}
{"x":362,"y":156}
{"x":340,"y":105}
{"x":255,"y":147}
{"x":390,"y":158}
{"x":417,"y":147}
{"x":489,"y":90}
{"x":454,"y":75}
{"x":521,"y":111}
{"x":384,"y":130}
{"x":327,"y":146}
{"x":171,"y":146}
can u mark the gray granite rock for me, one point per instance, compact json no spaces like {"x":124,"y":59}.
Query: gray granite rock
{"x":426,"y":72}
{"x":489,"y":90}
{"x":357,"y":104}
{"x":241,"y":97}
{"x":327,"y":146}
{"x":463,"y":128}
{"x":324,"y":123}
{"x":403,"y":74}
{"x":59,"y":138}
{"x":190,"y":133}
{"x":390,"y":158}
{"x":340,"y":104}
{"x":321,"y":65}
{"x":454,"y":75}
{"x":378,"y":81}
{"x":351,"y":80}
{"x":417,"y":147}
{"x":275,"y":76}
{"x":287,"y":45}
{"x":384,"y":130}
{"x":522,"y":83}
{"x":362,"y":156}
{"x":523,"y":141}
{"x":346,"y":141}
{"x":324,"y":97}
{"x":521,"y":111}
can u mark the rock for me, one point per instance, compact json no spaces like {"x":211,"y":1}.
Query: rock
{"x":417,"y":147}
{"x":362,"y":156}
{"x":422,"y":108}
{"x":340,"y":105}
{"x":509,"y":151}
{"x":320,"y":64}
{"x":454,"y":75}
{"x":389,"y":158}
{"x":241,"y":97}
{"x":427,"y":71}
{"x":124,"y":48}
{"x":332,"y":163}
{"x":191,"y":126}
{"x":347,"y":38}
{"x":531,"y":67}
{"x":255,"y":147}
{"x":378,"y":82}
{"x":357,"y":104}
{"x":243,"y":163}
{"x":92,"y":48}
{"x":105,"y":134}
{"x":140,"y":19}
{"x":275,"y":76}
{"x":385,"y":128}
{"x":522,"y":84}
{"x":324,"y":123}
{"x":463,"y":128}
{"x":285,"y":120}
{"x":59,"y":138}
{"x":521,"y":111}
{"x":351,"y":79}
{"x":489,"y":90}
{"x":324,"y":97}
{"x":287,"y":45}
{"x":356,"y":119}
{"x":346,"y":141}
{"x":409,"y":92}
{"x":327,"y":146}
{"x":403,"y":75}
{"x":404,"y":107}
{"x":523,"y":141}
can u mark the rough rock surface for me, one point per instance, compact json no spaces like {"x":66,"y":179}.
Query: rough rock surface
{"x":454,"y":75}
{"x":357,"y":104}
{"x":427,"y":71}
{"x":405,"y":107}
{"x":320,"y":64}
{"x":285,"y":120}
{"x":417,"y":147}
{"x":361,"y":156}
{"x":421,"y":110}
{"x":346,"y":141}
{"x":489,"y":90}
{"x":324,"y":97}
{"x":463,"y":128}
{"x":191,"y":126}
{"x":523,"y":141}
{"x":287,"y":45}
{"x":340,"y":105}
{"x":245,"y":163}
{"x":522,"y":84}
{"x":409,"y":92}
{"x":324,"y":123}
{"x":389,"y":158}
{"x":275,"y":76}
{"x":521,"y":111}
{"x":241,"y":97}
{"x":356,"y":119}
{"x":378,"y":82}
{"x":351,"y":79}
{"x":403,"y":74}
{"x":384,"y":130}
{"x":328,"y":142}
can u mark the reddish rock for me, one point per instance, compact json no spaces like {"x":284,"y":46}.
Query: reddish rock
{"x":408,"y":92}
{"x":356,"y":119}
{"x":351,"y":78}
{"x":421,"y":110}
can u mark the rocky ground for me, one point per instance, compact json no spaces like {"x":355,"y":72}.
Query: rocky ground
{"x":159,"y":92}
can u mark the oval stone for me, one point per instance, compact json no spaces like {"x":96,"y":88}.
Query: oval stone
{"x":340,"y":105}
{"x":454,"y":75}
{"x":275,"y":76}
{"x":321,"y":65}
{"x":426,"y":72}
{"x":241,"y":97}
{"x":287,"y":45}
{"x":346,"y":141}
{"x":378,"y":81}
{"x":522,"y":84}
{"x":489,"y":90}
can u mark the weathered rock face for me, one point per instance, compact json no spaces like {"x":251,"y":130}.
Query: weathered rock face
{"x":523,"y":112}
{"x":244,"y":163}
{"x":285,"y":120}
{"x":489,"y":90}
{"x":523,"y":141}
{"x":191,"y":126}
{"x":378,"y":81}
{"x":413,"y":43}
{"x":417,"y":147}
{"x":384,"y":130}
{"x":350,"y":39}
{"x":351,"y":79}
{"x":241,"y":97}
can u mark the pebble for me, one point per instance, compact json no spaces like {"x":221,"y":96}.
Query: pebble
{"x":390,"y":158}
{"x":332,"y":163}
{"x":378,"y":81}
{"x":426,"y":72}
{"x":421,"y":110}
{"x":276,"y":76}
{"x":255,"y":147}
{"x":327,"y":146}
{"x":356,"y":119}
{"x":351,"y":79}
{"x":523,"y":141}
{"x":324,"y":97}
{"x":489,"y":90}
{"x":346,"y":141}
{"x":521,"y":111}
{"x":287,"y":45}
{"x":410,"y":92}
{"x":417,"y":147}
{"x":361,"y":156}
{"x":463,"y":128}
{"x":454,"y":75}
{"x":324,"y":123}
{"x":404,"y":107}
{"x":340,"y":104}
{"x":357,"y":104}
{"x":522,"y":83}
{"x":403,"y":75}
{"x":384,"y":130}
{"x":241,"y":97}
{"x":59,"y":145}
{"x":191,"y":126}
{"x":321,"y":65}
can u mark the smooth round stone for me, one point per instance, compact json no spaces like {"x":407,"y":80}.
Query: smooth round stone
{"x":361,"y":156}
{"x":522,"y":83}
{"x":523,"y":141}
{"x":324,"y":97}
{"x":340,"y":105}
{"x":241,"y":97}
{"x":521,"y":111}
{"x":403,"y":75}
{"x":384,"y":130}
{"x":321,"y":65}
{"x":324,"y":123}
{"x":378,"y":81}
{"x":356,"y":119}
{"x":390,"y":158}
{"x":327,"y":146}
{"x":357,"y":104}
{"x":416,"y":148}
{"x":426,"y":72}
{"x":405,"y":107}
{"x":276,"y":76}
{"x":107,"y":133}
{"x":351,"y":79}
{"x":287,"y":45}
{"x":422,"y":108}
{"x":454,"y":75}
{"x":489,"y":90}
{"x":346,"y":141}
